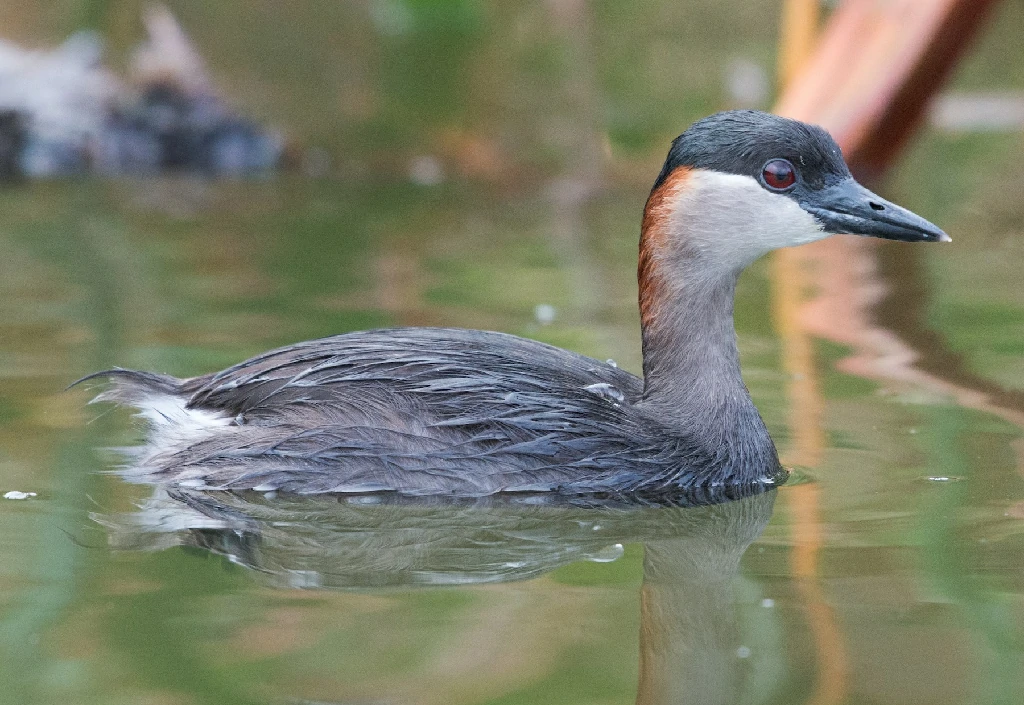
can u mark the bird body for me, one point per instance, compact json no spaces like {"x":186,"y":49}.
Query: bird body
{"x":459,"y":412}
{"x":420,"y":411}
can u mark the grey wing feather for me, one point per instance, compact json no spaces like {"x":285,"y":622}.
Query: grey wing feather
{"x":417,"y":410}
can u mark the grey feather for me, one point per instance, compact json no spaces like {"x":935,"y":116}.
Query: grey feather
{"x":430,"y":411}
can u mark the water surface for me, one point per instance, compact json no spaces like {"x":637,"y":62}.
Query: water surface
{"x":487,"y":161}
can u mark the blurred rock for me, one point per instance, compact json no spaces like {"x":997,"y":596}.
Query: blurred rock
{"x":61,"y":98}
{"x":62,"y":112}
{"x":12,"y":143}
{"x":168,"y":129}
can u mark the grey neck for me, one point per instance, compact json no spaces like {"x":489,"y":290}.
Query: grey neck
{"x":692,"y":379}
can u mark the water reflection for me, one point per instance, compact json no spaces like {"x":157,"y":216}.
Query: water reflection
{"x":690,"y":648}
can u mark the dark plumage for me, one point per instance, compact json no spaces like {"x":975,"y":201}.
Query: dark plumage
{"x":742,"y":141}
{"x":439,"y":411}
{"x":426,"y":411}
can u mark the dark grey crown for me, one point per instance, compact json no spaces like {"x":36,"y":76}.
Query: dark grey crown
{"x":742,"y":141}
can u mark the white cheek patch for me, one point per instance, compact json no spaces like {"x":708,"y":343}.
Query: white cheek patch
{"x":732,"y":220}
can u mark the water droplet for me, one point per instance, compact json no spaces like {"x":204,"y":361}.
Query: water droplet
{"x":426,"y":171}
{"x":743,"y":652}
{"x":608,"y":391}
{"x":768,"y":602}
{"x":612,"y":362}
{"x":391,"y":17}
{"x":15,"y":494}
{"x":545,"y":314}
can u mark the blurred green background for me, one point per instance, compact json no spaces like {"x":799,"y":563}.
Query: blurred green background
{"x":476,"y":161}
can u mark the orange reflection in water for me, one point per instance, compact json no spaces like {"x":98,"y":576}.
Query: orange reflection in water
{"x":867,"y":81}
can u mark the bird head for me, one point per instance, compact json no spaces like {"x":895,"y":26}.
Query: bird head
{"x":740,"y":183}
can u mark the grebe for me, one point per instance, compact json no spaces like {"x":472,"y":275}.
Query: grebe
{"x":463,"y":412}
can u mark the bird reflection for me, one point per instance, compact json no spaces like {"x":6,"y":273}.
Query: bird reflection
{"x":689,"y":639}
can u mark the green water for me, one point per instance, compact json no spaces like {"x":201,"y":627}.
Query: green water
{"x":869,"y":584}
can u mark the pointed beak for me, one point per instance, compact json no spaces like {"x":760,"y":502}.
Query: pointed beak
{"x":848,"y":207}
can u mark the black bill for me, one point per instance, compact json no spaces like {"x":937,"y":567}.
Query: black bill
{"x":848,"y":207}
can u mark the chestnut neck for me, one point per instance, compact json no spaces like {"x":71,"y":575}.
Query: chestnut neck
{"x":692,"y":379}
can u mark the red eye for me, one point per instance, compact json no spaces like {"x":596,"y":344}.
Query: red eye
{"x":779,"y":174}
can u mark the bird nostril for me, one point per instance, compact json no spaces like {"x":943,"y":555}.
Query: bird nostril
{"x":876,"y":206}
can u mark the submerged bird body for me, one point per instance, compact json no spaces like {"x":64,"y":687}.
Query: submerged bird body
{"x":448,"y":411}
